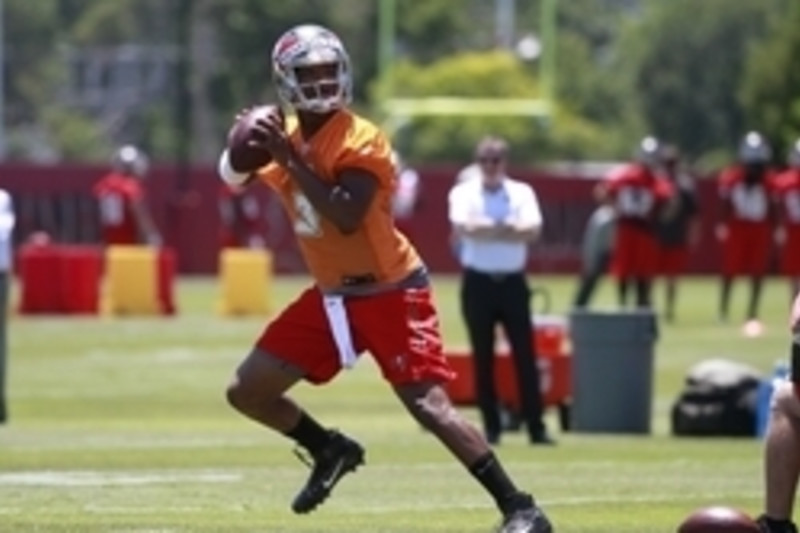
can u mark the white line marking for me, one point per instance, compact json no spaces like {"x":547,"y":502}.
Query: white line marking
{"x":422,"y":506}
{"x":553,"y":502}
{"x":103,"y":479}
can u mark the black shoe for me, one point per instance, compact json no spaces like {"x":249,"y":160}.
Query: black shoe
{"x":341,"y":456}
{"x":510,"y":420}
{"x":526,"y":518}
{"x":542,"y":438}
{"x":771,"y":526}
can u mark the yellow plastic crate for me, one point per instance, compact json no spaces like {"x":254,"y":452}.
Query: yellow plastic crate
{"x":245,"y":277}
{"x":131,"y":281}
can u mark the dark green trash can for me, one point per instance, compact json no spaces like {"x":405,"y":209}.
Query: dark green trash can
{"x":612,"y":370}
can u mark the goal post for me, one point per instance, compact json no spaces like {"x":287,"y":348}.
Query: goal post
{"x":445,"y":105}
{"x":399,"y":111}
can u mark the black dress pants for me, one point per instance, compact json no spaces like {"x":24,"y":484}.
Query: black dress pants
{"x":487,"y":300}
{"x":589,"y":279}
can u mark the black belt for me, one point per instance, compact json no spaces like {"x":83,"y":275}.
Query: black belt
{"x":494,"y":276}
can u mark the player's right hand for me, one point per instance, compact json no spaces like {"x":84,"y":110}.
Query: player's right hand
{"x":270,"y":135}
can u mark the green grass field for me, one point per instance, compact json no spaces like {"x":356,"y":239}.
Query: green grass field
{"x":120,"y":425}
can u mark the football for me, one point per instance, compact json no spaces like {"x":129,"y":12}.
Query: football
{"x":245,"y":158}
{"x":718,"y":520}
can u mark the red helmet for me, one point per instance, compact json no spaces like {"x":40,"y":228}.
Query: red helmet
{"x":307,"y":46}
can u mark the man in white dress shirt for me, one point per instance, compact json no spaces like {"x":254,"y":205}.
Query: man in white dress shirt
{"x":6,"y":229}
{"x":496,"y":218}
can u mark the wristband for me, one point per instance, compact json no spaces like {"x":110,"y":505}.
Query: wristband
{"x":226,"y":172}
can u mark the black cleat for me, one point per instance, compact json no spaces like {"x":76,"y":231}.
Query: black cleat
{"x":770,"y":526}
{"x":542,"y":438}
{"x":341,"y":456}
{"x":526,"y":518}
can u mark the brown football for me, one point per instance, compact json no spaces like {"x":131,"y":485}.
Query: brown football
{"x":245,"y":158}
{"x":718,"y":519}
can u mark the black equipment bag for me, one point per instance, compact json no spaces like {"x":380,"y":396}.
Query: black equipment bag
{"x":719,"y":399}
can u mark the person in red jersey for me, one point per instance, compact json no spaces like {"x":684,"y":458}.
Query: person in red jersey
{"x":679,"y":230}
{"x":782,"y":443}
{"x":124,"y":215}
{"x":745,"y":226}
{"x":639,"y":197}
{"x":334,"y":175}
{"x":241,"y":218}
{"x":787,"y":193}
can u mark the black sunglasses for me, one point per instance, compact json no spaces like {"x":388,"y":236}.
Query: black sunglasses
{"x":490,"y":160}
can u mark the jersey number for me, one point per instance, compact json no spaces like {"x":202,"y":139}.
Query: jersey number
{"x":112,"y":209}
{"x":635,"y":201}
{"x":306,"y":221}
{"x":791,"y":203}
{"x":749,"y":203}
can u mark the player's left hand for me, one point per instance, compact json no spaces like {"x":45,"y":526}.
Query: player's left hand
{"x":270,"y":136}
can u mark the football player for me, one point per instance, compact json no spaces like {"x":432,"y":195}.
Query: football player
{"x":639,"y":197}
{"x":124,"y":215}
{"x":335,"y":177}
{"x":746,"y":225}
{"x":787,"y":191}
{"x":678,"y":230}
{"x":782,"y":444}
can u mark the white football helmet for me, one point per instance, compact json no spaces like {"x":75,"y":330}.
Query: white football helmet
{"x":131,"y":161}
{"x":794,"y":155}
{"x":754,"y":149}
{"x":305,"y":46}
{"x":648,"y":152}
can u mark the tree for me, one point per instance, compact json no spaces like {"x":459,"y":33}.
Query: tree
{"x":493,"y":74}
{"x":771,"y":90}
{"x":689,"y":58}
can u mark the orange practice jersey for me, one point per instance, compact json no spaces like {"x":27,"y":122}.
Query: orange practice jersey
{"x":376,"y":252}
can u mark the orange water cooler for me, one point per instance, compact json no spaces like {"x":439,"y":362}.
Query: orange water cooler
{"x":549,"y":335}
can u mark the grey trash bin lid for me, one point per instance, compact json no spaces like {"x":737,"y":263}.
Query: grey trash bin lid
{"x":613,"y":326}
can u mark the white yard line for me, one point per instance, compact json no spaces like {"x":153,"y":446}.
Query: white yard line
{"x":228,"y":475}
{"x":89,"y":478}
{"x":553,"y":502}
{"x":420,"y":506}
